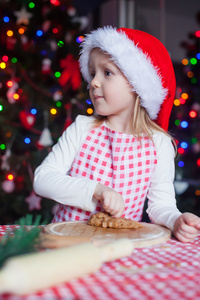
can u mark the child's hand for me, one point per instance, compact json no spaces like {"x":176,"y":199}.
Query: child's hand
{"x":187,"y":227}
{"x":111,"y":200}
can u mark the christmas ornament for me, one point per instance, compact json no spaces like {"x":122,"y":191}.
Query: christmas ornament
{"x":71,"y":75}
{"x":57,"y":96}
{"x":46,"y":25}
{"x":196,"y":106}
{"x":53,"y":45}
{"x":83,"y":21}
{"x":68,"y":37}
{"x":71,"y":11}
{"x":196,"y":147}
{"x":19,"y":183}
{"x":8,"y":186}
{"x":4,"y":160}
{"x":33,"y":201}
{"x":26,"y":43}
{"x":27,"y":119}
{"x":46,"y":66}
{"x":10,"y":43}
{"x":23,"y":16}
{"x":45,"y":139}
{"x":180,"y":187}
{"x":11,"y":92}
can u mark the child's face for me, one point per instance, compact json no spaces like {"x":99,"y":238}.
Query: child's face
{"x":110,"y":91}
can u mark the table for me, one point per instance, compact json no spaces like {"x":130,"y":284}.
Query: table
{"x":167,"y":271}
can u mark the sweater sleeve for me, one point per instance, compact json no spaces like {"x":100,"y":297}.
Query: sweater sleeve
{"x":162,"y":207}
{"x":51,"y":179}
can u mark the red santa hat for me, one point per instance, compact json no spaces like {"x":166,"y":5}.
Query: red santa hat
{"x":144,"y":61}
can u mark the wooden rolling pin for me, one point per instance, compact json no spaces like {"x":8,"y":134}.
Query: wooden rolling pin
{"x":32,"y":272}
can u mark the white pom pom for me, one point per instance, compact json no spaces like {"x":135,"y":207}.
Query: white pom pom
{"x":45,"y":138}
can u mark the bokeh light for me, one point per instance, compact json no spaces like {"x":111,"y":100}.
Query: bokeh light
{"x":53,"y":111}
{"x":184,"y":96}
{"x":9,"y":33}
{"x":184,"y":145}
{"x":34,"y":111}
{"x":16,"y":96}
{"x":185,"y":62}
{"x":177,"y":122}
{"x":6,"y":19}
{"x":181,"y":150}
{"x":27,"y":140}
{"x":197,"y":192}
{"x":2,"y":146}
{"x":193,"y":61}
{"x":10,"y":177}
{"x":79,"y":39}
{"x":90,"y":111}
{"x":39,"y":33}
{"x":177,"y":102}
{"x":184,"y":124}
{"x":181,"y":164}
{"x":192,"y":114}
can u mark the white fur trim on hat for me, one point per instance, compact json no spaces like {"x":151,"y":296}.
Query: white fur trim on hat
{"x":134,"y":64}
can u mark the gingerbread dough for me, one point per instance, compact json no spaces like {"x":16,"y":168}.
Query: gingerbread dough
{"x":104,"y":220}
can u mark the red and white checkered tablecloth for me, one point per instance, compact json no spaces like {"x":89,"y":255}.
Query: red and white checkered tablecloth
{"x":167,"y":271}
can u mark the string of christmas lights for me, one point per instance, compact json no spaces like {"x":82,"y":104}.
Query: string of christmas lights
{"x":41,"y":92}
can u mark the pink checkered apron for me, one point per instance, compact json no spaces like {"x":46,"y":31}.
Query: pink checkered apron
{"x":119,"y":161}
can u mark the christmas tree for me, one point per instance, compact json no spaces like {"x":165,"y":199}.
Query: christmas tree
{"x":41,"y":92}
{"x":185,"y":124}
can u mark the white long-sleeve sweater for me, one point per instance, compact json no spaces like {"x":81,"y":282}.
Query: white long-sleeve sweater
{"x":52,"y":181}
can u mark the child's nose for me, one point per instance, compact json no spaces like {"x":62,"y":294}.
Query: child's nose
{"x":95,"y":82}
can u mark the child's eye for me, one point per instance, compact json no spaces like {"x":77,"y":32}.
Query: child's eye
{"x":92,"y":75}
{"x":107,"y":73}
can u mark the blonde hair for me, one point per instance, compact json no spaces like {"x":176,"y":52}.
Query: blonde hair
{"x":141,"y":123}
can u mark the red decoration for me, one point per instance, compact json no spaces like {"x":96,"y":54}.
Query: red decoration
{"x":197,"y":33}
{"x":68,"y":120}
{"x":10,"y":43}
{"x":26,"y":43}
{"x":70,"y":76}
{"x":27,"y":119}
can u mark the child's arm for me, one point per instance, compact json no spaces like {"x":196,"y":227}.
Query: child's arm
{"x":162,"y":207}
{"x":111,"y":200}
{"x":52,"y":180}
{"x":186,"y":227}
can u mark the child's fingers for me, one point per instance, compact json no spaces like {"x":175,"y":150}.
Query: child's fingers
{"x":115,"y":208}
{"x":191,"y":220}
{"x":118,"y":215}
{"x":107,"y":203}
{"x":185,"y":237}
{"x":188,"y":229}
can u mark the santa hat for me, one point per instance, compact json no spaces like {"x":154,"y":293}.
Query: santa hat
{"x":144,"y":61}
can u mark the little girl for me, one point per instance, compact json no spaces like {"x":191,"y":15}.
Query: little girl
{"x":111,"y":162}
